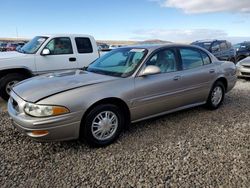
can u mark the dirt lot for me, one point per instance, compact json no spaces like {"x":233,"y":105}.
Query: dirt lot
{"x":192,"y":148}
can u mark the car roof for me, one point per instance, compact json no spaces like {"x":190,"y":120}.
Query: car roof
{"x":158,"y":46}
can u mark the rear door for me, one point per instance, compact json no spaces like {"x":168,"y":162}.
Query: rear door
{"x":61,"y":56}
{"x":197,"y":75}
{"x":86,"y":51}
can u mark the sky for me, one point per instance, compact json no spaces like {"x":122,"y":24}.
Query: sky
{"x":171,"y":20}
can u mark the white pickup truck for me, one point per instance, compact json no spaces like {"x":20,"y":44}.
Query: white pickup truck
{"x":44,"y":54}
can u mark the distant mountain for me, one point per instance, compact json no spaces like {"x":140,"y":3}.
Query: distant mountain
{"x":154,"y":41}
{"x":146,"y":42}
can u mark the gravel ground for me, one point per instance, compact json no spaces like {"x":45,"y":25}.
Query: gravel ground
{"x":192,"y":148}
{"x":2,"y":105}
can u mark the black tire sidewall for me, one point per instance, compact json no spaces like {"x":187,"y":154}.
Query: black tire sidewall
{"x":5,"y":80}
{"x":209,"y":101}
{"x":87,"y":133}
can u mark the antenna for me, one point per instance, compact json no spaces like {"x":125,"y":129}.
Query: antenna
{"x":16,"y":32}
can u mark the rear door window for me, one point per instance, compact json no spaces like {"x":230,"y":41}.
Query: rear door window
{"x":83,"y":45}
{"x":206,"y":58}
{"x":223,"y":46}
{"x":191,"y":58}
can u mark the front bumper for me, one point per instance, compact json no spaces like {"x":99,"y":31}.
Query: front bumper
{"x":243,"y":71}
{"x":63,"y":127}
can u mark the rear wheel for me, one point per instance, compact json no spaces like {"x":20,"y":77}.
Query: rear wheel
{"x":102,"y":125}
{"x":216,"y":96}
{"x":7,"y":82}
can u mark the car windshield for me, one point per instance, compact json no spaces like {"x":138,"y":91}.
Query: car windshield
{"x":121,"y":62}
{"x":205,"y":45}
{"x":32,"y":46}
{"x":242,"y":46}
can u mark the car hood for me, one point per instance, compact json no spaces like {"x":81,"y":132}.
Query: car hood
{"x":37,"y":88}
{"x":11,"y":55}
{"x":245,"y":61}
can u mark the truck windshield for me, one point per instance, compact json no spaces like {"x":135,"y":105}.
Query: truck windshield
{"x":32,"y":46}
{"x":121,"y":62}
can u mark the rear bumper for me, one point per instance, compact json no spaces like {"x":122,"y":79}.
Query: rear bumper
{"x":58,"y":128}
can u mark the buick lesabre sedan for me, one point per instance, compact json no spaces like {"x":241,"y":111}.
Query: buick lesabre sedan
{"x":127,"y":85}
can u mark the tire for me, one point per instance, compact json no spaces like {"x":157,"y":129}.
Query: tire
{"x":7,"y":81}
{"x":212,"y":103}
{"x":92,"y":123}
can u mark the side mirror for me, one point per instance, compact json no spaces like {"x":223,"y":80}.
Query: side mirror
{"x":45,"y":52}
{"x":150,"y":70}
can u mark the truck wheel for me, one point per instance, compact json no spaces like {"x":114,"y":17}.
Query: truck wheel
{"x":7,"y":82}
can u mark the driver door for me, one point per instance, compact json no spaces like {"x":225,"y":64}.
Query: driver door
{"x":61,"y":56}
{"x":160,"y":92}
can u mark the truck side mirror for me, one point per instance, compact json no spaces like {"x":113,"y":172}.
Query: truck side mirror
{"x":45,"y":52}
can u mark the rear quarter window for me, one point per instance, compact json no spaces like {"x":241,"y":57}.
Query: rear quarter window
{"x":83,"y":45}
{"x":206,"y":59}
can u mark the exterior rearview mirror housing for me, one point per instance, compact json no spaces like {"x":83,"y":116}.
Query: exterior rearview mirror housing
{"x":45,"y":52}
{"x":150,"y":70}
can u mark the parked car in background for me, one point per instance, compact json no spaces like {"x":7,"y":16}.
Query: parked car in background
{"x":126,"y":85}
{"x":3,"y":47}
{"x":113,"y":46}
{"x":242,"y":50}
{"x":20,"y":45}
{"x":103,"y":46}
{"x":221,"y":49}
{"x":11,"y":46}
{"x":44,"y":54}
{"x":243,"y":68}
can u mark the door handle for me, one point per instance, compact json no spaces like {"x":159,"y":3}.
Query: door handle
{"x":177,"y":78}
{"x":211,"y":71}
{"x":72,"y":59}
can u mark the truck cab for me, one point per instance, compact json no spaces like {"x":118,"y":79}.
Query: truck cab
{"x":221,"y":49}
{"x":45,"y":54}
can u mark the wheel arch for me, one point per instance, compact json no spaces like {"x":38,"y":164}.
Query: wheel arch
{"x":224,"y":81}
{"x":111,"y":100}
{"x":20,"y":70}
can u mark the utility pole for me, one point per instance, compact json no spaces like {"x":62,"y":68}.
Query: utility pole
{"x":16,"y":32}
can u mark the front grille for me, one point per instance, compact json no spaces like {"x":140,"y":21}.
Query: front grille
{"x":14,"y":104}
{"x":246,"y":66}
{"x":245,"y":73}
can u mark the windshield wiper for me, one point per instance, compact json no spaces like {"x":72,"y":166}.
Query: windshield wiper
{"x":84,"y":68}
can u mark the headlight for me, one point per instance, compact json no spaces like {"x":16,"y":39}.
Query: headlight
{"x":44,"y":110}
{"x":238,"y":64}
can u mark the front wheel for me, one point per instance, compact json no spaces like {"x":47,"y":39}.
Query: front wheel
{"x":7,"y":82}
{"x":216,"y":96}
{"x":102,"y":125}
